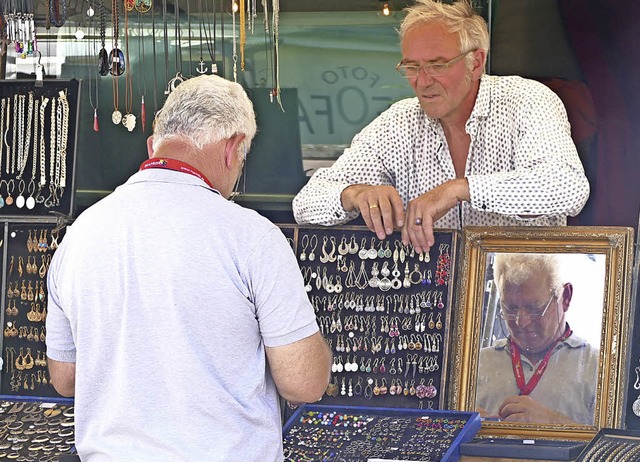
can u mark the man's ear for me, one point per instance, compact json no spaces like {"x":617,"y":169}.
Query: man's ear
{"x":231,"y":147}
{"x":479,"y":59}
{"x":567,"y":294}
{"x":150,"y":146}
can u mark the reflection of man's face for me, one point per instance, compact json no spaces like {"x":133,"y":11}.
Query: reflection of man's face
{"x":533,"y":335}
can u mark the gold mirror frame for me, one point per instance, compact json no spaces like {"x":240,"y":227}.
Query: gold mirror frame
{"x":616,"y":243}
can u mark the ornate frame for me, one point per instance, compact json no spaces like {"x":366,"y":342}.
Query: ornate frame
{"x":616,"y":243}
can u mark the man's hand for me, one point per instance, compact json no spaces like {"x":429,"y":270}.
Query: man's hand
{"x":380,"y":207}
{"x":425,"y":210}
{"x":527,"y":409}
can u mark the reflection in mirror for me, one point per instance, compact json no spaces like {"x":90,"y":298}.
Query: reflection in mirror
{"x":541,"y":334}
{"x":524,"y":287}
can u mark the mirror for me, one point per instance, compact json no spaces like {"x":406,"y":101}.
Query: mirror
{"x":543,"y":329}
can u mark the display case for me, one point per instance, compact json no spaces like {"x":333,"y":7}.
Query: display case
{"x":35,"y":419}
{"x":38,"y":139}
{"x":385,"y":311}
{"x":612,"y":445}
{"x":353,"y":434}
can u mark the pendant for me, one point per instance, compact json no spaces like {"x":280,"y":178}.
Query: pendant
{"x":1,"y":202}
{"x":116,"y":117}
{"x":9,"y":200}
{"x":143,"y":115}
{"x":31,"y":202}
{"x":20,"y":201}
{"x":202,"y":68}
{"x":103,"y":62}
{"x":96,"y":126}
{"x":636,"y":406}
{"x":129,"y":121}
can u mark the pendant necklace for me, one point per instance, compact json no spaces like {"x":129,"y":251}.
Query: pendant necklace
{"x":189,"y":40}
{"x":210,"y":37}
{"x":275,"y":24}
{"x":155,"y":64}
{"x":142,"y":6}
{"x":57,"y":18}
{"x":234,"y":43}
{"x":178,"y":79}
{"x":243,"y":32}
{"x":129,"y":119}
{"x":92,"y":50}
{"x":116,"y":59}
{"x":142,"y":82}
{"x":103,"y":57}
{"x":202,"y":68}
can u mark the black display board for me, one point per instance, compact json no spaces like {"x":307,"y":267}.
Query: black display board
{"x":38,"y":139}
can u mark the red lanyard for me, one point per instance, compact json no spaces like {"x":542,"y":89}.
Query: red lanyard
{"x":176,"y":165}
{"x":516,"y":361}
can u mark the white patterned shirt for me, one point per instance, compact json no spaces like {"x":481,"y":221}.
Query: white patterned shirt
{"x":521,"y":161}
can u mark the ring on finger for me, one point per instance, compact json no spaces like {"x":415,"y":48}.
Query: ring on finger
{"x":373,"y":206}
{"x":418,"y":222}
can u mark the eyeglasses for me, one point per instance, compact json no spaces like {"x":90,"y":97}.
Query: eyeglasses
{"x":411,"y":71}
{"x":511,"y":313}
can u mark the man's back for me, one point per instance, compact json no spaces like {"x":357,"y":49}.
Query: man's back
{"x":168,"y":304}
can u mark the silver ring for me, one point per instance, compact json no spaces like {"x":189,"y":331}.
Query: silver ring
{"x":418,"y":222}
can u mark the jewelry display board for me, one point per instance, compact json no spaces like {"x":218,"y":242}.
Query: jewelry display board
{"x":612,"y":445}
{"x":27,"y":254}
{"x":33,"y":430}
{"x":38,"y":138}
{"x":357,"y":434}
{"x":385,"y":312}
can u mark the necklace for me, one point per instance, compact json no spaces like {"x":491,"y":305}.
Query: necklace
{"x":103,"y":57}
{"x":234,"y":43}
{"x":116,"y":59}
{"x":142,"y":83}
{"x":91,"y":52}
{"x":56,"y":17}
{"x":129,"y":120}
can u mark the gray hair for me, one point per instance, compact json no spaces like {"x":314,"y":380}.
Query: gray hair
{"x":203,"y":110}
{"x":459,"y":17}
{"x":516,"y":268}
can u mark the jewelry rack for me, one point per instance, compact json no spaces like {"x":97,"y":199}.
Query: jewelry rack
{"x":38,"y":139}
{"x":612,"y":445}
{"x":386,"y":313}
{"x":353,"y":434}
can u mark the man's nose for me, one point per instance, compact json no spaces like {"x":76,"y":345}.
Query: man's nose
{"x":424,"y":79}
{"x":523,"y":319}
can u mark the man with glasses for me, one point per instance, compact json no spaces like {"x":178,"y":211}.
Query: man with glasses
{"x":469,"y":149}
{"x":541,"y":371}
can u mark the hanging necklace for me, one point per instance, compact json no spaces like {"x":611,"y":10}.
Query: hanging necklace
{"x":189,"y":40}
{"x":202,"y":68}
{"x":117,"y":65}
{"x":275,"y":24}
{"x":92,"y":50}
{"x":243,"y":32}
{"x":57,"y":18}
{"x":142,"y":82}
{"x":178,"y":79}
{"x":155,"y":64}
{"x":129,"y":119}
{"x":103,"y":57}
{"x":234,"y":43}
{"x":142,"y":6}
{"x":210,"y":37}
